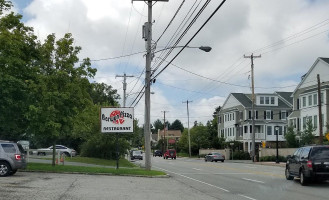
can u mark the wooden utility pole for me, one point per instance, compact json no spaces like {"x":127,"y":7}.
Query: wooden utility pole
{"x":164,"y":128}
{"x":188,"y":127}
{"x":253,"y":149}
{"x":147,"y":30}
{"x":124,"y":87}
{"x":320,"y":111}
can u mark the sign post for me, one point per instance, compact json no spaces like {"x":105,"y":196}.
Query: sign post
{"x":117,"y":121}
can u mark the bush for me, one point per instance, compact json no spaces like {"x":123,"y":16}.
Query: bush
{"x":273,"y":159}
{"x":241,"y":155}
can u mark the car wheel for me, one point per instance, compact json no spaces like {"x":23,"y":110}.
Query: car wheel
{"x":303,"y":179}
{"x":222,"y":160}
{"x":4,"y":169}
{"x":13,"y":172}
{"x":288,"y":176}
{"x":215,"y":160}
{"x":211,"y":160}
{"x":175,"y":158}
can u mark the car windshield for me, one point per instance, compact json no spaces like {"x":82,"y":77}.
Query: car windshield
{"x":137,"y":153}
{"x":320,"y":153}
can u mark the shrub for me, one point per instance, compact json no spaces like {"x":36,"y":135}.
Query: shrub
{"x":241,"y":155}
{"x":272,"y":159}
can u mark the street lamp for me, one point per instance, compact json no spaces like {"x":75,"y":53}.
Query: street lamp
{"x":203,"y":48}
{"x":277,"y":143}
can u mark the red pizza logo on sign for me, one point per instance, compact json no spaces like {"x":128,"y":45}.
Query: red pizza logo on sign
{"x":116,"y":117}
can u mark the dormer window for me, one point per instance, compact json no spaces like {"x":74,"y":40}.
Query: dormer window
{"x":267,"y":100}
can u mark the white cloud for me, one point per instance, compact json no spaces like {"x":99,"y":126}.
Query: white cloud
{"x":239,"y":27}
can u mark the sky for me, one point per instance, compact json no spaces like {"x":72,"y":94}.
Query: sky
{"x":289,"y":36}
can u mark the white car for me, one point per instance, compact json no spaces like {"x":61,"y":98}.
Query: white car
{"x":62,"y":149}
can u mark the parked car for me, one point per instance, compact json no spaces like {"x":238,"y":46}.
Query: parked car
{"x":12,"y":158}
{"x":62,"y":149}
{"x":136,"y":155}
{"x":214,"y":156}
{"x":157,"y":153}
{"x":170,"y":153}
{"x":308,"y":163}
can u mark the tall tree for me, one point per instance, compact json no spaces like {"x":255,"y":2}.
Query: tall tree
{"x":157,"y":125}
{"x":63,"y":89}
{"x":177,"y":125}
{"x":18,"y":69}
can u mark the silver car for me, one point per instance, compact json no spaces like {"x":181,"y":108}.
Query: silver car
{"x":214,"y":156}
{"x":12,"y":158}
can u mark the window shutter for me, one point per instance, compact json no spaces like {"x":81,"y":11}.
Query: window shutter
{"x":264,"y":114}
{"x":249,"y":114}
{"x":256,"y":114}
{"x":271,"y":114}
{"x":280,"y":115}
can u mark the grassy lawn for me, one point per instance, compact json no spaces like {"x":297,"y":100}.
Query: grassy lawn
{"x":97,"y":161}
{"x":91,"y":170}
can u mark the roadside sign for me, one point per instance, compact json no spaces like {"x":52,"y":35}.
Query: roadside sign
{"x":327,"y":136}
{"x":117,"y":120}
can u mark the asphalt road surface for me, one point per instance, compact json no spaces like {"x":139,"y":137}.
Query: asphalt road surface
{"x":243,"y":181}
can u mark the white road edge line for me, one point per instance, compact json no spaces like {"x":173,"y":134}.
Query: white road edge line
{"x":194,"y":180}
{"x":246,"y":197}
{"x":247,"y":179}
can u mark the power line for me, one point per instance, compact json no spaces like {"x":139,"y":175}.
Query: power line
{"x":191,"y":38}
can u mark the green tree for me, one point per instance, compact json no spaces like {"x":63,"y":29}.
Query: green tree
{"x":291,"y":138}
{"x":18,"y":69}
{"x":177,"y":125}
{"x":63,"y":90}
{"x":199,"y":138}
{"x":157,"y":125}
{"x":307,"y":136}
{"x":103,"y":94}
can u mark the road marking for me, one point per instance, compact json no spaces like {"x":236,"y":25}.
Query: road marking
{"x":253,"y":180}
{"x":196,"y":169}
{"x":250,"y":167}
{"x":232,"y":173}
{"x":194,"y":179}
{"x":246,"y":197}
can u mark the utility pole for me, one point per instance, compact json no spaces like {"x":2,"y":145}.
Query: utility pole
{"x":188,"y":127}
{"x":164,"y":128}
{"x":124,"y":87}
{"x":147,"y":127}
{"x":253,"y":149}
{"x":320,"y":111}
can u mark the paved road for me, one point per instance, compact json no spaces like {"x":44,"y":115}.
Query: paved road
{"x":239,"y":180}
{"x":40,"y":186}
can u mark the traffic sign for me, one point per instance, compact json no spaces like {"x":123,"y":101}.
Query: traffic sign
{"x":327,"y":136}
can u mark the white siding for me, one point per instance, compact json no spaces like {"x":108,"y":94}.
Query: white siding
{"x":311,"y":80}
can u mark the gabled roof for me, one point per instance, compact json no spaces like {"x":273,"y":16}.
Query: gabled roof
{"x":326,"y":60}
{"x":243,"y":99}
{"x":286,"y":96}
{"x":285,"y":100}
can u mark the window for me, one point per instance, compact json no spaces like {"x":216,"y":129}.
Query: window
{"x":315,"y":99}
{"x":321,"y":97}
{"x":283,"y":114}
{"x":8,"y":148}
{"x":269,"y":130}
{"x":304,"y":122}
{"x":310,"y":100}
{"x":261,"y":100}
{"x":245,"y":129}
{"x":305,"y":153}
{"x":315,"y":120}
{"x":304,"y":101}
{"x":268,"y":114}
{"x":250,"y":129}
{"x":272,"y":100}
{"x":232,"y":116}
{"x":267,"y":100}
{"x":249,"y":116}
{"x":297,"y":104}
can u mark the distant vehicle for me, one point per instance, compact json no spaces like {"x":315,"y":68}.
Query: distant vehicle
{"x":62,"y":149}
{"x":12,"y":158}
{"x":25,"y":144}
{"x":214,"y":156}
{"x":136,"y":155}
{"x":170,"y":153}
{"x":157,"y":153}
{"x":308,"y":163}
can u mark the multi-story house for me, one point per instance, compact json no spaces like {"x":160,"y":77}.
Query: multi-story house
{"x":270,"y":117}
{"x":305,"y":98}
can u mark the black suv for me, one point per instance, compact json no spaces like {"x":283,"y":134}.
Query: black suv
{"x":308,"y":163}
{"x":157,"y":153}
{"x":12,"y":157}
